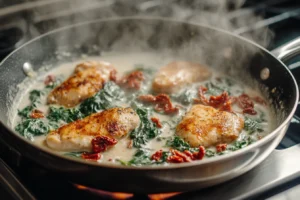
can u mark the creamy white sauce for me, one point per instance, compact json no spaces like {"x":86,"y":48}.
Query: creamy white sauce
{"x":124,"y":63}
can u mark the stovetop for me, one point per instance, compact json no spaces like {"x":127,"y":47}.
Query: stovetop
{"x":21,"y":20}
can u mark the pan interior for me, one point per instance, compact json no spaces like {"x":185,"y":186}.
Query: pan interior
{"x":219,"y":50}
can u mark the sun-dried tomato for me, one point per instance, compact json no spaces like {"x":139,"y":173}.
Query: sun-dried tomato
{"x":189,"y":154}
{"x":175,"y":159}
{"x":184,"y":157}
{"x":218,"y":101}
{"x":201,"y":153}
{"x":259,"y":100}
{"x":162,"y":103}
{"x":249,"y":111}
{"x":202,"y":99}
{"x":226,"y":106}
{"x":49,"y":79}
{"x":113,"y":75}
{"x":36,"y":114}
{"x":101,"y":143}
{"x":157,"y":155}
{"x":156,"y":121}
{"x":221,"y":147}
{"x":132,"y":80}
{"x":91,"y":156}
{"x":244,"y":101}
{"x":222,"y":102}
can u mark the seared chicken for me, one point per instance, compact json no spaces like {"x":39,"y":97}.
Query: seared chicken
{"x":207,"y":126}
{"x":175,"y":75}
{"x":77,"y":136}
{"x":88,"y":79}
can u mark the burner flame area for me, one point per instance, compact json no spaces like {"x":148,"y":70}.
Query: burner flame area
{"x":123,"y":196}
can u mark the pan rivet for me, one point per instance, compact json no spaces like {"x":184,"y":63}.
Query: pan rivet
{"x":27,"y":68}
{"x":265,"y":73}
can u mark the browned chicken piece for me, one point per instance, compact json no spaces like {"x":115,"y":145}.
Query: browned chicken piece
{"x":77,"y":136}
{"x":177,"y":74}
{"x":207,"y":126}
{"x":87,"y":79}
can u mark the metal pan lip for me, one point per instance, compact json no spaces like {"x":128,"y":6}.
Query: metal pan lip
{"x":231,"y":155}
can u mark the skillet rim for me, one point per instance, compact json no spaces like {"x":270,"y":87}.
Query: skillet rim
{"x":156,"y":167}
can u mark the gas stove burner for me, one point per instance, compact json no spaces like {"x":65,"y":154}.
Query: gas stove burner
{"x":121,"y":195}
{"x":8,"y":39}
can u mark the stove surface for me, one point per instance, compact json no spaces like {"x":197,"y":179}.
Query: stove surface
{"x":29,"y":181}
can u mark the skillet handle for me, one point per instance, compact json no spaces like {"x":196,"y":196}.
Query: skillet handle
{"x":287,"y":51}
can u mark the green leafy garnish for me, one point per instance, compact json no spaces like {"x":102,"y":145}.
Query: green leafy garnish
{"x":210,"y":153}
{"x":25,"y":112}
{"x":252,"y":125}
{"x":32,"y":127}
{"x":239,"y":144}
{"x":34,"y":96}
{"x":108,"y":97}
{"x":146,"y":131}
{"x":214,"y":89}
{"x":186,"y":97}
{"x":179,"y":144}
{"x":74,"y":154}
{"x":141,"y":157}
{"x":64,"y":114}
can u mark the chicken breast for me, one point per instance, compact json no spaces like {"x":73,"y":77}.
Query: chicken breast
{"x":207,"y":126}
{"x":176,"y":75}
{"x":88,"y":79}
{"x":77,"y":136}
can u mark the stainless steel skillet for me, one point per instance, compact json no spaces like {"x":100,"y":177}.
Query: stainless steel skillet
{"x":232,"y":54}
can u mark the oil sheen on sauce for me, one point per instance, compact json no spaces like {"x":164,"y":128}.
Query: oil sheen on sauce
{"x":125,"y":63}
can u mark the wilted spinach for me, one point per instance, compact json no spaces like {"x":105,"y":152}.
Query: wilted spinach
{"x":253,"y":125}
{"x":34,"y":97}
{"x":179,"y":144}
{"x":147,"y":129}
{"x":186,"y":97}
{"x":32,"y":127}
{"x":64,"y":114}
{"x":108,"y":97}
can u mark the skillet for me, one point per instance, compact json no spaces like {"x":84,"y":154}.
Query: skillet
{"x":246,"y":61}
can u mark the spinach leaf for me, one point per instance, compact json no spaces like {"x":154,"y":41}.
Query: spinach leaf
{"x":147,"y":129}
{"x":34,"y":96}
{"x":25,"y":112}
{"x":252,"y":125}
{"x":209,"y":153}
{"x":186,"y":97}
{"x":179,"y":144}
{"x":214,"y":89}
{"x":239,"y":144}
{"x":53,"y":84}
{"x":141,"y":157}
{"x":64,"y":114}
{"x":32,"y":127}
{"x":108,"y":97}
{"x":73,"y":154}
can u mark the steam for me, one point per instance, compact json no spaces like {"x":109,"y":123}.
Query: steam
{"x":224,"y":14}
